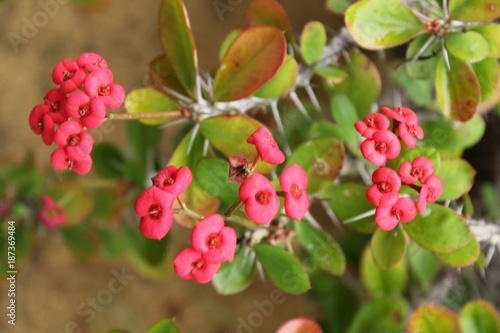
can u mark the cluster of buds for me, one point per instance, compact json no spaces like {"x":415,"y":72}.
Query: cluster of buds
{"x":86,"y":89}
{"x":212,"y":243}
{"x":434,"y":26}
{"x":382,"y":144}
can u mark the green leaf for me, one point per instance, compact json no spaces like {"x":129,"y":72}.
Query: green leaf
{"x":469,"y":46}
{"x":333,"y":74}
{"x":322,"y":248}
{"x":269,"y":12}
{"x":463,"y":256}
{"x":82,"y":241}
{"x":424,"y":266}
{"x":349,"y":200}
{"x":432,"y":318}
{"x":479,"y":316}
{"x":438,"y":229}
{"x":178,"y":43}
{"x":212,"y":176}
{"x":338,"y":6}
{"x":491,"y":32}
{"x":387,"y":314}
{"x":112,"y":243}
{"x":253,"y":58}
{"x":164,"y":326}
{"x":194,"y":197}
{"x":448,"y":136}
{"x":457,"y":176}
{"x":226,"y":43}
{"x":235,"y":276}
{"x":312,"y":42}
{"x":344,"y":113}
{"x":162,"y":75}
{"x":474,"y":10}
{"x":425,"y":68}
{"x":388,"y":248}
{"x":282,"y":82}
{"x":322,"y":158}
{"x":363,"y":85}
{"x":325,"y":128}
{"x":420,"y":92}
{"x":147,"y":100}
{"x":108,"y":161}
{"x":457,"y":90}
{"x":381,"y":282}
{"x":379,"y":24}
{"x":284,"y":269}
{"x":488,"y":74}
{"x":229,"y":134}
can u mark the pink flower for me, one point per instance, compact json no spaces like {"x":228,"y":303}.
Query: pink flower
{"x":56,"y":101}
{"x":237,"y":169}
{"x":60,"y":161}
{"x":100,"y":84}
{"x":213,"y":239}
{"x":90,"y":112}
{"x":52,"y":215}
{"x":408,"y":133}
{"x":76,"y":142}
{"x":420,"y":169}
{"x":190,"y":264}
{"x":430,"y":192}
{"x":383,"y":145}
{"x":388,"y":217}
{"x":371,"y":124}
{"x":402,"y":114}
{"x":266,"y":146}
{"x":259,"y":196}
{"x":300,"y":325}
{"x":68,"y":75}
{"x":293,"y":181}
{"x":91,"y":62}
{"x":173,"y":180}
{"x":41,"y":123}
{"x":384,"y":191}
{"x":154,"y":206}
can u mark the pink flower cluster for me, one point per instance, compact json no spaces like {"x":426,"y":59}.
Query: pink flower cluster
{"x":86,"y":89}
{"x":382,"y":144}
{"x":154,"y":205}
{"x":212,"y":243}
{"x":258,"y":193}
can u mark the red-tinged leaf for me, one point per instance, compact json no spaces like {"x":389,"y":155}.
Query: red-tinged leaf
{"x":433,"y":318}
{"x":474,"y":10}
{"x":148,"y":100}
{"x":457,"y":89}
{"x":269,"y":12}
{"x":195,"y":197}
{"x":178,"y":43}
{"x":479,"y":316}
{"x":255,"y":56}
{"x":229,"y":134}
{"x":282,"y":82}
{"x":161,"y":75}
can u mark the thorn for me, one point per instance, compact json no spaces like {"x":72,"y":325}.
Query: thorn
{"x":445,"y":55}
{"x":205,"y":148}
{"x":312,"y":97}
{"x":299,"y":105}
{"x":281,"y":129}
{"x":193,"y":136}
{"x":428,"y":43}
{"x":312,"y":220}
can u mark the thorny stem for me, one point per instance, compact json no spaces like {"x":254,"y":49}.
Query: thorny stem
{"x":155,"y":115}
{"x":241,"y":221}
